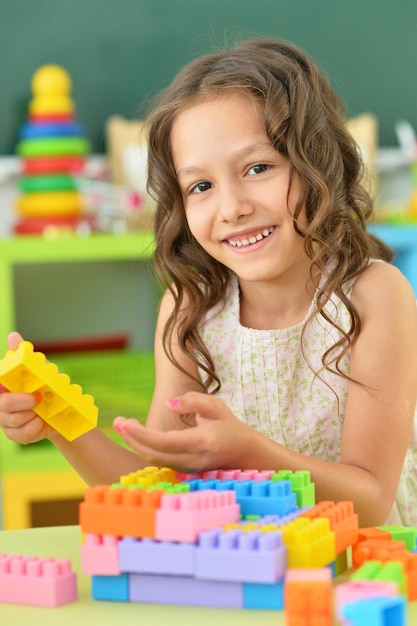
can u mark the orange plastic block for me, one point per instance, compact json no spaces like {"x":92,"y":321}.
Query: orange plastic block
{"x":120,"y":512}
{"x":372,"y":533}
{"x":376,"y":550}
{"x":310,"y":543}
{"x":308,"y":597}
{"x":343,"y":521}
{"x":63,"y":405}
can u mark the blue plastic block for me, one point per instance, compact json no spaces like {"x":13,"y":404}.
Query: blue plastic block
{"x":265,"y":497}
{"x":183,"y":590}
{"x":234,"y":555}
{"x":114,"y":588}
{"x":376,"y":612}
{"x":149,"y":556}
{"x":263,"y":596}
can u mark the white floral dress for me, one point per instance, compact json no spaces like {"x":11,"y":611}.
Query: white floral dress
{"x":267,"y":383}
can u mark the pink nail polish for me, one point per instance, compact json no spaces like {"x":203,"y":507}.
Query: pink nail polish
{"x":117,"y":428}
{"x":174,"y":401}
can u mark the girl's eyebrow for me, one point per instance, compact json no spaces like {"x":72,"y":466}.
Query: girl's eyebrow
{"x":240,"y":153}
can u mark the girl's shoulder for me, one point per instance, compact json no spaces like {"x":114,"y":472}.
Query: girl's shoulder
{"x":380,"y":287}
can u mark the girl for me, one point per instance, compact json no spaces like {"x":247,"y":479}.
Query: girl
{"x":285,"y":339}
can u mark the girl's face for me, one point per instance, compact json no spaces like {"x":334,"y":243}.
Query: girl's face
{"x":235,"y":186}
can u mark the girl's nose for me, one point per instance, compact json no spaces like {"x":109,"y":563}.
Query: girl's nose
{"x":233,"y":205}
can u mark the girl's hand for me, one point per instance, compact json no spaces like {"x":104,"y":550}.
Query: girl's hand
{"x":218,"y":439}
{"x":17,"y":419}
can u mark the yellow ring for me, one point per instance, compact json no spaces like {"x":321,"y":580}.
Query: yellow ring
{"x":49,"y":203}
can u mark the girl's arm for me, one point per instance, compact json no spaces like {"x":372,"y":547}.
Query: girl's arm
{"x":94,"y":456}
{"x":378,"y":421}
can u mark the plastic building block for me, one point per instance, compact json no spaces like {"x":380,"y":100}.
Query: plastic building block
{"x":100,"y":555}
{"x":264,"y":596}
{"x":238,"y":556}
{"x":402,"y":533}
{"x":119,"y":512}
{"x":392,"y":571}
{"x":376,"y":550}
{"x":37,"y":582}
{"x":62,"y":404}
{"x":149,"y":556}
{"x":149,"y":476}
{"x":376,"y":612}
{"x":114,"y":588}
{"x":343,"y":521}
{"x":308,"y":596}
{"x":354,"y":590}
{"x":182,"y":516}
{"x":185,"y":591}
{"x":311,"y":543}
{"x":301,"y":485}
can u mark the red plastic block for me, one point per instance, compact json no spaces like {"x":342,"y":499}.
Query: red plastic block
{"x":182,"y":516}
{"x":238,"y":556}
{"x":119,"y":512}
{"x":63,"y":405}
{"x":343,"y":521}
{"x":100,"y":555}
{"x":308,"y":597}
{"x":36,"y":582}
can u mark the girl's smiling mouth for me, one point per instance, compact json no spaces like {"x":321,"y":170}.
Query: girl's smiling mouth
{"x":250,"y":239}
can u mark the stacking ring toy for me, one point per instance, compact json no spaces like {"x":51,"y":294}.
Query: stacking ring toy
{"x":53,"y":164}
{"x":58,"y":129}
{"x":52,"y":146}
{"x":53,"y":182}
{"x":52,"y":103}
{"x":49,"y":203}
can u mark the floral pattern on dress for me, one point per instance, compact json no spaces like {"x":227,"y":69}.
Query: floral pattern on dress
{"x":267,"y":383}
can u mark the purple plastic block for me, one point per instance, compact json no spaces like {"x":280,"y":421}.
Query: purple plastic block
{"x":242,"y":557}
{"x":183,"y":590}
{"x":148,"y":556}
{"x":100,"y":555}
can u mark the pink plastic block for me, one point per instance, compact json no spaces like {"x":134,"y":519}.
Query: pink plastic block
{"x":100,"y":555}
{"x":354,"y":590}
{"x":147,"y":556}
{"x":182,"y":516}
{"x":36,"y":582}
{"x":242,"y":557}
{"x":183,"y":590}
{"x":238,"y":475}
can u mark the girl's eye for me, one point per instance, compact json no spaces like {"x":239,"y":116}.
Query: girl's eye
{"x":259,"y":168}
{"x":201,"y":187}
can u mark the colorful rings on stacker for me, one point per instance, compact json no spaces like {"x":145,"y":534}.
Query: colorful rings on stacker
{"x":50,"y":118}
{"x":50,"y":129}
{"x":38,"y":225}
{"x":54,"y":164}
{"x":52,"y":203}
{"x":48,"y":182}
{"x":52,"y":146}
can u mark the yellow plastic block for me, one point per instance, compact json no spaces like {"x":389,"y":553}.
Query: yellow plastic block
{"x":309,"y":545}
{"x":63,"y":405}
{"x":149,"y":476}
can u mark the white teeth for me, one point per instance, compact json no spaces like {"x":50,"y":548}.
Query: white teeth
{"x":251,"y":240}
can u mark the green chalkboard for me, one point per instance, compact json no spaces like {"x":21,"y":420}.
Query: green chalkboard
{"x":120,"y":52}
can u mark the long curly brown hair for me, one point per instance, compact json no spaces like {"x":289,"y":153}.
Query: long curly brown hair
{"x":305,"y":120}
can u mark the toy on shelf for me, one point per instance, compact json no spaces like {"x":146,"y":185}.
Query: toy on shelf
{"x":53,"y":148}
{"x":280,"y":556}
{"x":61,"y":404}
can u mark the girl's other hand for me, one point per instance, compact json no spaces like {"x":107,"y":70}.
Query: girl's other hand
{"x":218,"y":439}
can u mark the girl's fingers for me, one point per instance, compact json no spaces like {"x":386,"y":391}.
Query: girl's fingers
{"x":13,"y":340}
{"x":174,"y":441}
